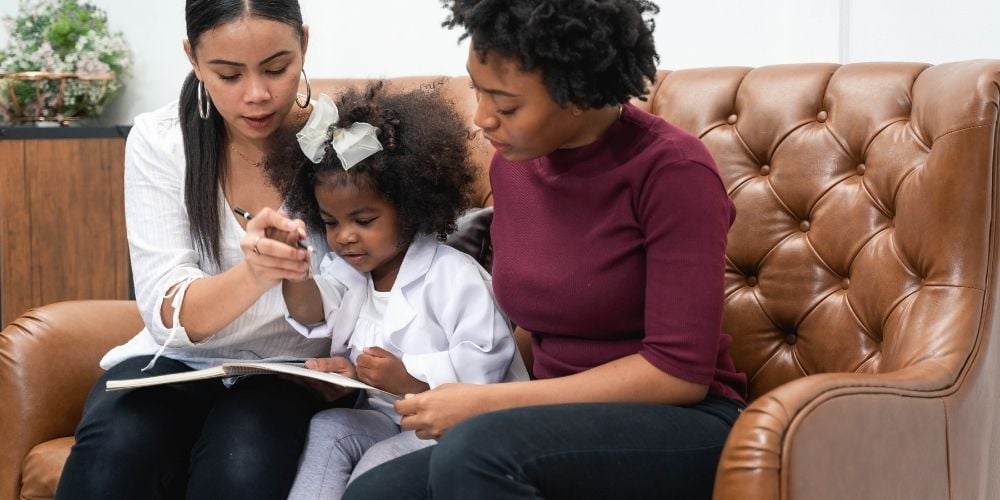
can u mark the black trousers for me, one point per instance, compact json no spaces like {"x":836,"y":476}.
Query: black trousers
{"x":594,"y":451}
{"x":198,"y":440}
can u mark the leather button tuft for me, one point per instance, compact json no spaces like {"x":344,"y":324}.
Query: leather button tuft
{"x":821,"y":116}
{"x":791,"y":339}
{"x":732,"y":119}
{"x":752,"y":281}
{"x":861,"y":169}
{"x":844,"y":283}
{"x":765,"y":170}
{"x":804,"y":226}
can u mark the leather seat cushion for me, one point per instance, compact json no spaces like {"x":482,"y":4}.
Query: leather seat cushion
{"x":42,"y":467}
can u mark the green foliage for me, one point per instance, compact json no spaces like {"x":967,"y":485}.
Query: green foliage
{"x":62,"y":36}
{"x":73,"y":22}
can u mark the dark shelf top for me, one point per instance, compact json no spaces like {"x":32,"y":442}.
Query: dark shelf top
{"x":74,"y":131}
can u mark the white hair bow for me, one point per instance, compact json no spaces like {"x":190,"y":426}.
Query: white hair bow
{"x":352,"y":144}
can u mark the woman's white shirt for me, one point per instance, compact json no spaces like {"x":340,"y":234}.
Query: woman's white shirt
{"x":163,"y":254}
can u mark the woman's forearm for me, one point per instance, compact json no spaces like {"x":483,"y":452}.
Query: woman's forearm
{"x":213,"y":302}
{"x":628,"y":379}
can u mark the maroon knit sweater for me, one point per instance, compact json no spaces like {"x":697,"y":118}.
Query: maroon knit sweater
{"x":617,"y":248}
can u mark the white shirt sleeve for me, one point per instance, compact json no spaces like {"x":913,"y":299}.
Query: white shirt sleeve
{"x":334,"y":283}
{"x":481,"y":348}
{"x":160,"y":244}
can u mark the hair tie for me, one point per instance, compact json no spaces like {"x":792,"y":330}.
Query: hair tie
{"x":352,"y":144}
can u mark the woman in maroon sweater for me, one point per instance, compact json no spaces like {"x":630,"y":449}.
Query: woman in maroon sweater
{"x":609,"y":237}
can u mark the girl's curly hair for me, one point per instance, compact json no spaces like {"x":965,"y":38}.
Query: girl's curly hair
{"x":424,"y":169}
{"x":592,"y":53}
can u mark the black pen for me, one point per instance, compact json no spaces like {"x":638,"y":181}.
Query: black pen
{"x":248,"y":216}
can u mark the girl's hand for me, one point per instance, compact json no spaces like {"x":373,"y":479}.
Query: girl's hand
{"x":433,"y":413}
{"x":334,"y":364}
{"x":270,"y":248}
{"x":380,"y":368}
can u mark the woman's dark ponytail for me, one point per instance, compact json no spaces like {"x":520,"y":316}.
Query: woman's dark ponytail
{"x":205,"y":154}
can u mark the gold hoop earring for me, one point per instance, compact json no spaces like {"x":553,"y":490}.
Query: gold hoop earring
{"x":309,"y":92}
{"x":204,"y":104}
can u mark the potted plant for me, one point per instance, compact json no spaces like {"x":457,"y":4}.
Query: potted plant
{"x":62,"y":62}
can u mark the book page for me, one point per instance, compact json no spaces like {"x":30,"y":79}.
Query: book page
{"x":257,"y":368}
{"x":170,"y":378}
{"x":238,"y":368}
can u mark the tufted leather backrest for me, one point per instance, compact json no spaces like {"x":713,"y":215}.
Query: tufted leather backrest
{"x":865,"y":211}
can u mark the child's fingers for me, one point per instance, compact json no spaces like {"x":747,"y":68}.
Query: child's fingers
{"x":331,"y":364}
{"x":378,"y":352}
{"x":340,"y":363}
{"x":288,"y":238}
{"x":291,"y":238}
{"x":365,"y":361}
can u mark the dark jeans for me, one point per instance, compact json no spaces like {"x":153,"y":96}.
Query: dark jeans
{"x":196,"y":439}
{"x":574,"y":451}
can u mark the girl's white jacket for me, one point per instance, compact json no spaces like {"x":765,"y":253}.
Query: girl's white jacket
{"x":441,"y":319}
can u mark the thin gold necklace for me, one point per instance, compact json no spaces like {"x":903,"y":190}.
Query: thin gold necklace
{"x":259,"y":163}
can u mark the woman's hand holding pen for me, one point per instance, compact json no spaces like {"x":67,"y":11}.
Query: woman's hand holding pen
{"x":273,"y":249}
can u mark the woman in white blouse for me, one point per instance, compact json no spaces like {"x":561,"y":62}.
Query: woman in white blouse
{"x":205,"y":284}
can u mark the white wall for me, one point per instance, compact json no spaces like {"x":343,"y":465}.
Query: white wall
{"x":367,"y":38}
{"x":932,"y":31}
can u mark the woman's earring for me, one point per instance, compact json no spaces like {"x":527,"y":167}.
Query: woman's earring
{"x":204,"y":103}
{"x":309,"y":92}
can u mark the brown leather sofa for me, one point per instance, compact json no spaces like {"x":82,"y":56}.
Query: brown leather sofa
{"x":861,"y":290}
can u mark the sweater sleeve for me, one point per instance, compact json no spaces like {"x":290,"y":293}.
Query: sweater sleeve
{"x":685,"y":214}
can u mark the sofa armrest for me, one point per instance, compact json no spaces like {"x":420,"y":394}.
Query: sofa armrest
{"x":48,"y":363}
{"x":836,"y":436}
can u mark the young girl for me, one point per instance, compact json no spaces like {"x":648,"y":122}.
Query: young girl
{"x":387,"y":176}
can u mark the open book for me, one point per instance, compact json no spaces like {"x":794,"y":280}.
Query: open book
{"x":237,"y":368}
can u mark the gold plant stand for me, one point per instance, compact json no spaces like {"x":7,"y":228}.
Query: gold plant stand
{"x":47,"y":101}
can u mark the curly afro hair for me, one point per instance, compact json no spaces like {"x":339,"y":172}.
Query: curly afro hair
{"x":591,"y":53}
{"x":424,"y":169}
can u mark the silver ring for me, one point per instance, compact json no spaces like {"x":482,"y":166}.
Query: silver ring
{"x":255,"y":250}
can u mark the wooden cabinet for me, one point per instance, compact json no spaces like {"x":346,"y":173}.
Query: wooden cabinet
{"x":62,"y":224}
